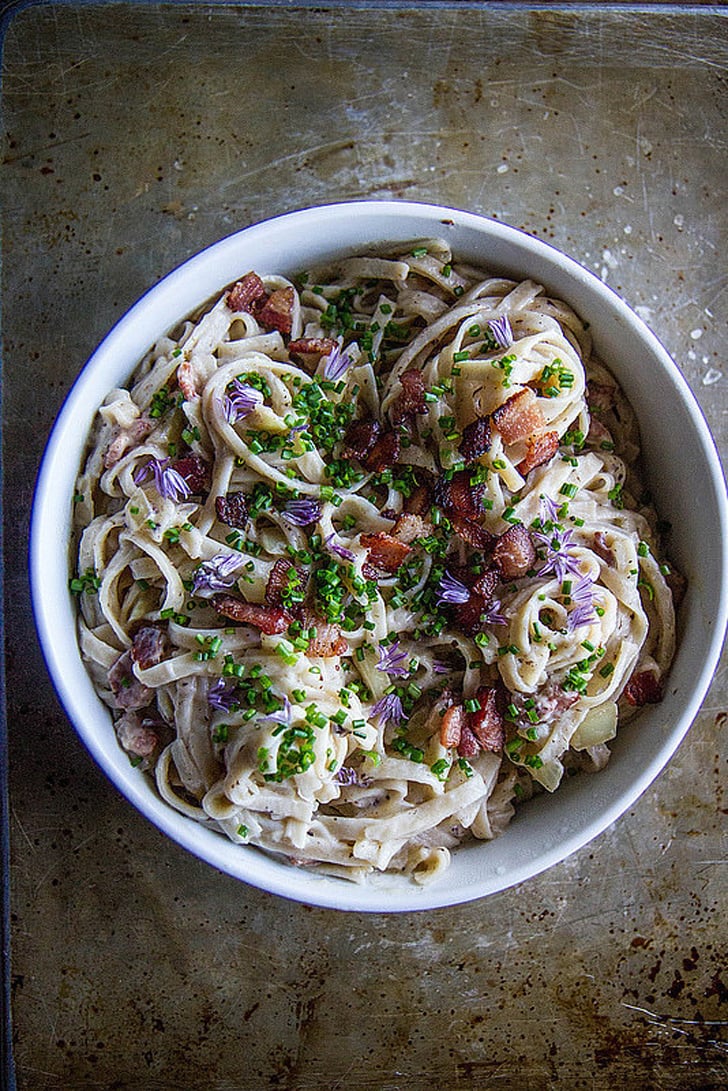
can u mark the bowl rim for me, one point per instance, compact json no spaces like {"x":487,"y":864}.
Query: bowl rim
{"x":258,"y":869}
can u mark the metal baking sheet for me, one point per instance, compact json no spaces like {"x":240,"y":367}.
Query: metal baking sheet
{"x":137,"y":133}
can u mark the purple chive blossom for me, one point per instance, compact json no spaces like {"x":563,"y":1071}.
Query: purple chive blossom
{"x":439,"y":667}
{"x":348,"y":777}
{"x":339,"y":550}
{"x":583,"y":600}
{"x":242,"y":400}
{"x":217,"y":574}
{"x":301,"y":513}
{"x":389,"y":709}
{"x":492,"y":614}
{"x":501,"y":329}
{"x":393,"y":660}
{"x":169,"y":482}
{"x":282,"y":716}
{"x":222,"y":696}
{"x":336,"y":364}
{"x":555,"y":543}
{"x":452,"y":590}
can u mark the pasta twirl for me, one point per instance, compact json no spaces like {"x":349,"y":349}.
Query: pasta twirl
{"x":364,"y":561}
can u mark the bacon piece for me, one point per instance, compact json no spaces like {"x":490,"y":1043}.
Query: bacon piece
{"x":195,"y":471}
{"x":475,"y":439}
{"x":128,"y":691}
{"x":472,"y":533}
{"x":312,"y":346}
{"x":644,"y":688}
{"x":279,"y":579}
{"x":514,"y":552}
{"x":487,"y":723}
{"x":485,"y":585}
{"x":458,"y":497}
{"x":552,"y":700}
{"x":384,"y":453}
{"x":360,"y":437}
{"x":138,"y":737}
{"x":408,"y":527}
{"x":191,"y":379}
{"x":385,"y":553}
{"x":468,"y":746}
{"x":600,"y":396}
{"x":271,"y":620}
{"x":519,"y":416}
{"x":232,"y":509}
{"x":539,"y":449}
{"x":277,"y":311}
{"x":451,"y":728}
{"x":135,"y":432}
{"x":149,"y":645}
{"x":419,"y":501}
{"x":328,"y":641}
{"x":411,"y":398}
{"x":248,"y":294}
{"x":468,"y":615}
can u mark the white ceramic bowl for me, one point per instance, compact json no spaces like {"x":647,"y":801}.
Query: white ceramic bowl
{"x":679,"y":453}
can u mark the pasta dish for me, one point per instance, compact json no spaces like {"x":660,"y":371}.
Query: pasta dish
{"x":364,"y":560}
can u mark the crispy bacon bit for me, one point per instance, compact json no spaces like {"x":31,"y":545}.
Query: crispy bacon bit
{"x":453,"y":722}
{"x":411,"y":398}
{"x":128,"y":691}
{"x":277,"y":311}
{"x":514,"y":552}
{"x":487,"y":723}
{"x":419,"y":501}
{"x":600,"y":396}
{"x":539,"y":449}
{"x":552,"y":701}
{"x":138,"y":737}
{"x":195,"y":471}
{"x":149,"y":644}
{"x":468,"y":615}
{"x":485,"y":585}
{"x":408,"y":527}
{"x":278,"y":580}
{"x":191,"y":379}
{"x":312,"y":346}
{"x":475,"y":440}
{"x":360,"y":437}
{"x":519,"y":416}
{"x":472,"y":533}
{"x":458,"y":497}
{"x":385,"y":553}
{"x":600,"y":547}
{"x":328,"y":641}
{"x":271,"y":620}
{"x":232,"y":509}
{"x":137,"y":431}
{"x":248,"y":294}
{"x":468,"y":746}
{"x":384,"y":453}
{"x":644,"y":688}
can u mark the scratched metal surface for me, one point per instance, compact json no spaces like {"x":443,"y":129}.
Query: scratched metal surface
{"x":136,"y":134}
